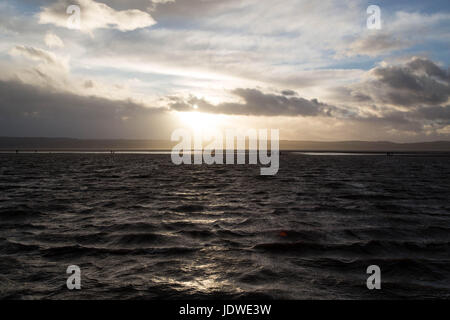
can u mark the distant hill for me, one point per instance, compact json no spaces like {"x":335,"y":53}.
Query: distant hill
{"x":14,"y":143}
{"x":370,"y":146}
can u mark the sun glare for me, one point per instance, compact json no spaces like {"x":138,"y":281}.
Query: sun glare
{"x":199,"y":121}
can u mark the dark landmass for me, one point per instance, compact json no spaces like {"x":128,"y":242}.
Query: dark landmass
{"x":369,"y":146}
{"x":70,"y":144}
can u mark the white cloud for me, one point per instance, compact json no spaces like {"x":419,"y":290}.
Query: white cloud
{"x":36,"y":54}
{"x":40,"y":67}
{"x":95,"y":15}
{"x":53,"y":41}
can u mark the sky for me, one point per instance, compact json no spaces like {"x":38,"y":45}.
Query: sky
{"x":140,"y":69}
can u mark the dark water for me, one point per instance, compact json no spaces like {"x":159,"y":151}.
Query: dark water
{"x":140,"y":227}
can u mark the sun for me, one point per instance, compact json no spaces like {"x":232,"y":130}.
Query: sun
{"x":201,"y":122}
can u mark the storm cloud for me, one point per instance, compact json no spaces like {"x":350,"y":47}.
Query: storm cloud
{"x":419,"y":81}
{"x":257,"y":103}
{"x":32,"y":111}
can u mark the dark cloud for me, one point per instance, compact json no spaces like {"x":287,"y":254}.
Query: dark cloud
{"x":30,"y":111}
{"x":412,"y":97}
{"x":417,"y":120}
{"x":439,"y":113}
{"x":257,"y":103}
{"x":412,"y":84}
{"x":419,"y":81}
{"x":397,"y":120}
{"x":349,"y":94}
{"x":288,"y":93}
{"x":397,"y":78}
{"x":428,"y":67}
{"x":88,"y":84}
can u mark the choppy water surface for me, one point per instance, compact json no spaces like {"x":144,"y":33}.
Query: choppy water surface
{"x":140,"y":227}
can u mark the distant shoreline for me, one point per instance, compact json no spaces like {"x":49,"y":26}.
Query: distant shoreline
{"x":301,"y":152}
{"x":11,"y":144}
